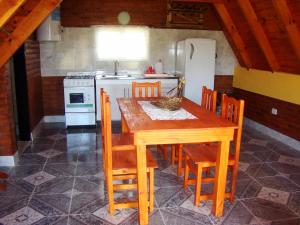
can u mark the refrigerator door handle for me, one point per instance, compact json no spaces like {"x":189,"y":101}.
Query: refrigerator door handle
{"x":192,"y":51}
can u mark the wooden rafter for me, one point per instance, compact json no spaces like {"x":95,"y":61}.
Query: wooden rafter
{"x":8,"y":9}
{"x":291,"y":27}
{"x":200,"y":1}
{"x":233,"y":31}
{"x":24,"y":26}
{"x":259,"y":33}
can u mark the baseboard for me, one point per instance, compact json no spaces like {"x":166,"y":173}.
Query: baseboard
{"x":273,"y":133}
{"x":7,"y":160}
{"x":54,"y":119}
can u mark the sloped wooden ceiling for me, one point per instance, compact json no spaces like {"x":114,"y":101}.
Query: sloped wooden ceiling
{"x":18,"y":19}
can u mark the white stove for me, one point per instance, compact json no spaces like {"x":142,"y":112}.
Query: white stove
{"x":79,"y":93}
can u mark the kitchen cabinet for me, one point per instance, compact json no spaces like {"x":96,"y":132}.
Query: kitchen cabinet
{"x":122,"y":89}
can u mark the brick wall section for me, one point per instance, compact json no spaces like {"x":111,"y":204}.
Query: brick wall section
{"x":258,"y":108}
{"x":34,"y":82}
{"x":7,"y":126}
{"x":53,"y":95}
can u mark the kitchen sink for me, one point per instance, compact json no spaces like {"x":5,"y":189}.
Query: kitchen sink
{"x":113,"y":76}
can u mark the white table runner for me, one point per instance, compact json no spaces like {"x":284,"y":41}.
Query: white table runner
{"x":156,"y":113}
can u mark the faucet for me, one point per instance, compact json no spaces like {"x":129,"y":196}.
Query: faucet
{"x":116,"y":64}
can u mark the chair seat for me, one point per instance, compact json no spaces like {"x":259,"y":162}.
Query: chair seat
{"x":122,"y":141}
{"x":123,"y":160}
{"x":206,"y":155}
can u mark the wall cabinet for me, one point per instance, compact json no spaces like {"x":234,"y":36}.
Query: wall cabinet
{"x":122,"y":89}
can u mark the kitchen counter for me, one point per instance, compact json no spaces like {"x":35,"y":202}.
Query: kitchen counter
{"x":133,"y":77}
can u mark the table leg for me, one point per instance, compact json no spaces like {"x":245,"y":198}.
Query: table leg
{"x":142,"y":184}
{"x":179,"y":168}
{"x":220,"y":178}
{"x":124,"y":125}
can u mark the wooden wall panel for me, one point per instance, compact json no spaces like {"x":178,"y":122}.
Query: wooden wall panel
{"x":152,"y":13}
{"x":258,"y":108}
{"x":7,"y":125}
{"x":223,"y":83}
{"x":34,"y":82}
{"x":53,"y":95}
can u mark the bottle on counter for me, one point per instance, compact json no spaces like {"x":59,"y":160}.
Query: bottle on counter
{"x":159,"y":67}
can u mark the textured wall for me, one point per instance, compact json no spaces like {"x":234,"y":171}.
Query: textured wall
{"x":76,"y":51}
{"x":7,"y":126}
{"x":33,"y":70}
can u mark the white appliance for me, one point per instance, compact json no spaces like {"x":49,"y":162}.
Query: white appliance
{"x":79,"y":93}
{"x":50,"y":29}
{"x":195,"y":60}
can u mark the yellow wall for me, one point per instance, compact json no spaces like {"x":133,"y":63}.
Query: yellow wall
{"x":277,"y":85}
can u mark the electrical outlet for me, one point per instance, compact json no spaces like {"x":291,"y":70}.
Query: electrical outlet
{"x":274,"y":111}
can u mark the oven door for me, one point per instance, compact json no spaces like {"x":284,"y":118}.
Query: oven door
{"x":79,"y":99}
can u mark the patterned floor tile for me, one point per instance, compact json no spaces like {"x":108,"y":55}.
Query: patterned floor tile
{"x":89,"y":169}
{"x":238,"y":215}
{"x":279,"y":183}
{"x":17,"y":187}
{"x":295,"y":178}
{"x":51,"y":205}
{"x":55,"y":186}
{"x":90,"y":184}
{"x":294,"y":203}
{"x":36,"y":148}
{"x":23,"y":216}
{"x":29,"y":159}
{"x":162,"y":179}
{"x":61,"y":170}
{"x":285,"y":168}
{"x":268,"y":210}
{"x":175,"y":219}
{"x":274,"y":195}
{"x":90,"y":157}
{"x":18,"y":172}
{"x":266,"y":170}
{"x":258,"y":142}
{"x":87,"y":203}
{"x":39,"y":178}
{"x":49,"y":153}
{"x":63,"y":158}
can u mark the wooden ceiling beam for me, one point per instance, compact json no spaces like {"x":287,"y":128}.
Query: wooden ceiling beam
{"x":200,"y":1}
{"x":25,"y":27}
{"x":286,"y":17}
{"x":8,"y":9}
{"x":234,"y":33}
{"x":259,"y":33}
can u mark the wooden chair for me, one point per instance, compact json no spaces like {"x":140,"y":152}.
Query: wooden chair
{"x":3,"y":176}
{"x":142,"y":89}
{"x":147,"y":90}
{"x":123,"y":141}
{"x":208,"y":102}
{"x":209,"y":99}
{"x":198,"y":157}
{"x":122,"y":165}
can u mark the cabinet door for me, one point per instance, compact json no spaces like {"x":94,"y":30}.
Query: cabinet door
{"x":115,"y":89}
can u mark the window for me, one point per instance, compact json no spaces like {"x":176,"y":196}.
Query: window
{"x":122,"y":43}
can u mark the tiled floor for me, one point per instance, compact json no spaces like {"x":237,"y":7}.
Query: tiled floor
{"x":59,"y":180}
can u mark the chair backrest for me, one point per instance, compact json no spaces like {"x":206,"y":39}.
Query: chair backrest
{"x":142,"y":89}
{"x":209,"y":99}
{"x":233,"y":110}
{"x":107,"y":135}
{"x":102,"y":97}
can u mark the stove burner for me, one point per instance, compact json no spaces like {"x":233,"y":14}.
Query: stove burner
{"x":80,"y":77}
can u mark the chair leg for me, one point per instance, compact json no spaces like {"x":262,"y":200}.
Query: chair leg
{"x":186,"y":173}
{"x":233,"y":182}
{"x":198,"y":185}
{"x":173,"y":155}
{"x":110,"y":191}
{"x":179,"y":169}
{"x":151,"y":189}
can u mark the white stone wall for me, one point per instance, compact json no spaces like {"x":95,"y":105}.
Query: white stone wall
{"x":76,"y":52}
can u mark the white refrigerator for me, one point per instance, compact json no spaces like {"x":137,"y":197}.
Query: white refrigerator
{"x":195,"y":60}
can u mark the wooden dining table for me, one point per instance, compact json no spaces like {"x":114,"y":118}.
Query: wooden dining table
{"x":206,"y":127}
